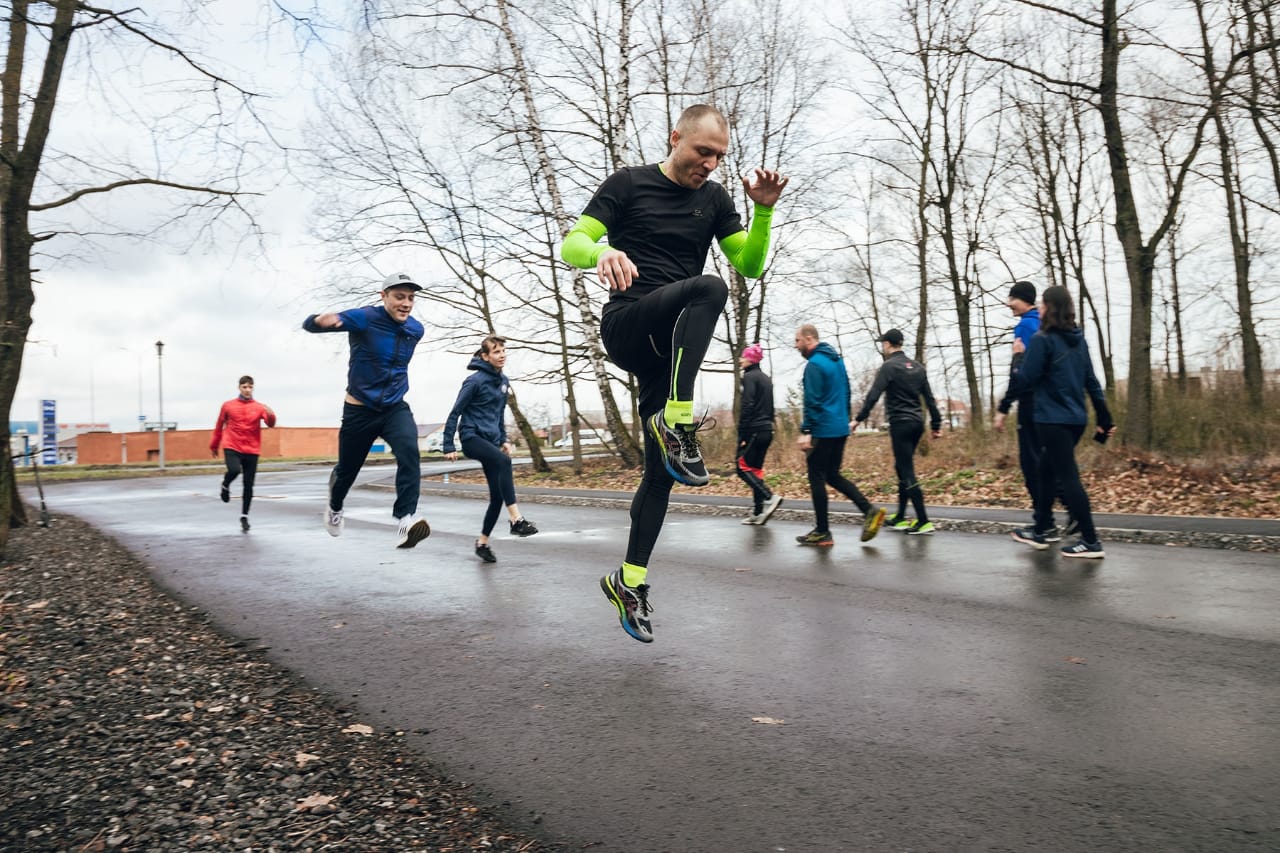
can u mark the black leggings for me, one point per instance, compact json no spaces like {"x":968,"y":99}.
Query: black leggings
{"x":824,"y":470}
{"x":497,"y":472}
{"x":662,"y":338}
{"x":238,"y":462}
{"x":1058,"y":471}
{"x":905,"y":438}
{"x":751,"y":453}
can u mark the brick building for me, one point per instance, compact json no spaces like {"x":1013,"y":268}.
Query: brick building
{"x":114,"y":448}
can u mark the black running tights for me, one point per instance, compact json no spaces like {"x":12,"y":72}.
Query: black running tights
{"x":237,"y":463}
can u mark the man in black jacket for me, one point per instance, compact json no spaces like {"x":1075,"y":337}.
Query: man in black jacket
{"x":755,"y":433}
{"x":903,"y":382}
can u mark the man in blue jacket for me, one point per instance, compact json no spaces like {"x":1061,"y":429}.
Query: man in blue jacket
{"x":823,"y":433}
{"x":382,"y":340}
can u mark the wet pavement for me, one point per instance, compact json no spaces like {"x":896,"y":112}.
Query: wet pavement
{"x":956,"y":692}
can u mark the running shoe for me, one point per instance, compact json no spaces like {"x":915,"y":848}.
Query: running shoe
{"x":244,"y":523}
{"x":1087,"y":550}
{"x":1072,"y":527}
{"x":523,"y":527}
{"x":333,"y":521}
{"x":485,"y":553}
{"x":770,"y":506}
{"x":751,"y":519}
{"x":412,"y":531}
{"x":1028,"y":536}
{"x":871,"y":523}
{"x":819,"y":538}
{"x":919,"y":529}
{"x":632,"y":603}
{"x":225,"y":493}
{"x":681,"y":454}
{"x":900,"y":524}
{"x":1053,"y":534}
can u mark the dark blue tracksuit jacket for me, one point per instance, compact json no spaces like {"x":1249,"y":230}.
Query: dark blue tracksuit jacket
{"x":481,"y":407}
{"x":378,"y":373}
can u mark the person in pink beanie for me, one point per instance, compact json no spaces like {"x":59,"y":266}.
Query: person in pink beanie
{"x":755,"y":433}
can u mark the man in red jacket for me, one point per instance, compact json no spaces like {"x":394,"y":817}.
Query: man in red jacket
{"x":239,"y":431}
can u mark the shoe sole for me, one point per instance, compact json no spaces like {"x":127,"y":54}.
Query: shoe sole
{"x":1086,"y":555}
{"x":764,"y":517}
{"x":872,"y":527}
{"x":419,"y":531}
{"x":616,"y":601}
{"x":826,"y":544}
{"x":921,"y":532}
{"x":1039,"y":546}
{"x":680,"y":478}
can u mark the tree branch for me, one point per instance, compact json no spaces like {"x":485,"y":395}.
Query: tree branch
{"x":132,"y":182}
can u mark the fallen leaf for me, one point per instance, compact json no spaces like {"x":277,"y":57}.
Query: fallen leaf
{"x":163,"y":713}
{"x":38,"y":605}
{"x":302,"y":759}
{"x":186,"y":783}
{"x":1073,"y":659}
{"x":358,"y":729}
{"x":742,"y":570}
{"x":768,"y":721}
{"x":312,"y":801}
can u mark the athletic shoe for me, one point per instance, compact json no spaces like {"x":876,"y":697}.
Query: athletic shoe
{"x":412,"y":531}
{"x":484,"y":552}
{"x":871,"y":523}
{"x":1028,"y":536}
{"x":523,"y":527}
{"x":632,"y":603}
{"x":333,"y":521}
{"x":1072,"y":527}
{"x":244,"y":523}
{"x":919,"y":529}
{"x":1053,"y":534}
{"x":225,"y":493}
{"x":681,"y":454}
{"x":819,"y":538}
{"x":1087,"y":550}
{"x":751,"y":519}
{"x":770,"y":506}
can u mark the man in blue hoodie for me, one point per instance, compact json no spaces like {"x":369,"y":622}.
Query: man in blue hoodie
{"x":823,"y":432}
{"x":382,"y":339}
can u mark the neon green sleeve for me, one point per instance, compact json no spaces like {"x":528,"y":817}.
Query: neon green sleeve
{"x":582,"y":247}
{"x":747,"y":250}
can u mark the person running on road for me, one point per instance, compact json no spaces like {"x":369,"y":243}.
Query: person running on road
{"x":903,"y":382}
{"x":755,"y":434}
{"x":382,"y":340}
{"x":479,"y":417}
{"x":238,"y":431}
{"x":824,"y":430}
{"x":662,"y":311}
{"x":1059,"y":371}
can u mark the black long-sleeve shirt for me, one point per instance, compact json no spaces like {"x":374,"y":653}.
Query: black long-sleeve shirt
{"x":903,"y":381}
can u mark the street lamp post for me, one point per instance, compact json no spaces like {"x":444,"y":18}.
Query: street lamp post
{"x":160,"y":388}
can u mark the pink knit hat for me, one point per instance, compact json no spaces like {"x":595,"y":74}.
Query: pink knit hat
{"x":753,"y":354}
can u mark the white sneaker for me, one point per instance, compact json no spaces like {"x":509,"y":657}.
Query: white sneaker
{"x":769,"y":506}
{"x":333,"y":521}
{"x":751,"y":519}
{"x":412,"y":530}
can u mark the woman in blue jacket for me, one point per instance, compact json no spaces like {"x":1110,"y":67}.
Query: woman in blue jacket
{"x":1057,"y":368}
{"x":479,"y":417}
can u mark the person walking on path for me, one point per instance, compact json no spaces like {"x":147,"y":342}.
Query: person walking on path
{"x":904,"y":382}
{"x":1059,"y":372}
{"x":382,"y":339}
{"x":824,"y":430}
{"x":755,"y":434}
{"x":479,"y":418}
{"x":1022,"y":298}
{"x":662,"y":311}
{"x":238,"y":431}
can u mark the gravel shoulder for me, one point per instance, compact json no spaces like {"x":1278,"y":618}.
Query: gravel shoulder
{"x":131,"y":723}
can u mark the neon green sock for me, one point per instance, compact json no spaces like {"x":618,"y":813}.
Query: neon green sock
{"x":678,"y":412}
{"x":633,"y":575}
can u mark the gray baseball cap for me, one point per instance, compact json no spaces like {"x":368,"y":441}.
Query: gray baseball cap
{"x":400,"y":279}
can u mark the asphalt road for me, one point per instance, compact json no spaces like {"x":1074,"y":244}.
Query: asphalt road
{"x":951,"y":693}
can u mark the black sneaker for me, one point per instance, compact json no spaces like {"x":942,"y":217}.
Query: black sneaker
{"x":225,"y":493}
{"x":1028,"y":536}
{"x":632,"y":603}
{"x":1087,"y":550}
{"x":819,"y":538}
{"x":1072,"y":527}
{"x":485,"y":553}
{"x":681,"y":454}
{"x":523,"y":527}
{"x":1053,"y":534}
{"x":244,"y":523}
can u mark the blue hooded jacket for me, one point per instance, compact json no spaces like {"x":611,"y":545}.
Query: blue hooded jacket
{"x":827,"y":400}
{"x":1057,"y":368}
{"x":481,"y":408}
{"x":378,"y":373}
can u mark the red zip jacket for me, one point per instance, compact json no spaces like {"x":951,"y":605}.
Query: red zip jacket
{"x":240,"y":418}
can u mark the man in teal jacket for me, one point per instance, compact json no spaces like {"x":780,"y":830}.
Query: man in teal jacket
{"x":823,"y":433}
